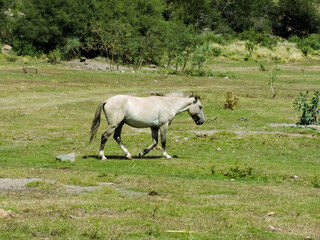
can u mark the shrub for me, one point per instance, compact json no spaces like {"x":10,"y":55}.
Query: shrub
{"x":25,"y":48}
{"x":216,"y":51}
{"x":72,"y":48}
{"x":310,"y":109}
{"x":236,"y":172}
{"x":308,"y":44}
{"x":200,"y":72}
{"x":316,"y":182}
{"x":54,"y":56}
{"x":231,"y":100}
{"x":11,"y":58}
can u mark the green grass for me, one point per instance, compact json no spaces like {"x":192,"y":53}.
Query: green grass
{"x":201,"y":194}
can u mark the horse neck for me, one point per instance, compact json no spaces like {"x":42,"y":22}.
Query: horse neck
{"x":181,"y":104}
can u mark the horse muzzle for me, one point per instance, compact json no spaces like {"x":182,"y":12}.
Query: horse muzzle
{"x":199,"y":122}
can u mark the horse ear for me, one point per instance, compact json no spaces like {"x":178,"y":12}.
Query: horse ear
{"x":196,"y":98}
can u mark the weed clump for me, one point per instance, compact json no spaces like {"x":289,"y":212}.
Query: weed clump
{"x":236,"y":172}
{"x":231,"y":100}
{"x":316,"y":182}
{"x":310,"y":108}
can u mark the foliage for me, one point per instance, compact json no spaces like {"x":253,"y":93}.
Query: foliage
{"x":25,"y":48}
{"x":47,"y":115}
{"x":11,"y":58}
{"x":250,"y":46}
{"x":296,"y":17}
{"x":72,"y":48}
{"x":307,"y":44}
{"x":3,"y":20}
{"x":55,"y":56}
{"x":255,"y":38}
{"x":200,"y":72}
{"x":310,"y":108}
{"x":316,"y":182}
{"x":231,"y":100}
{"x":167,"y":32}
{"x":200,"y":55}
{"x":237,"y":172}
{"x":241,"y":15}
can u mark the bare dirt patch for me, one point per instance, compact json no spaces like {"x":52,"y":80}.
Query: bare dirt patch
{"x":101,"y":65}
{"x":241,"y":133}
{"x":10,"y":184}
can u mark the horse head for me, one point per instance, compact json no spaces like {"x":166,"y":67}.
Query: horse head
{"x":196,"y":111}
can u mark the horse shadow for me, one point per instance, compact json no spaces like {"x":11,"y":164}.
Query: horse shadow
{"x":113,"y":157}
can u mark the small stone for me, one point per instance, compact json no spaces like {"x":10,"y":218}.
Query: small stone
{"x":83,"y":59}
{"x":243,"y":119}
{"x":218,"y":149}
{"x":68,"y":157}
{"x":153,"y":193}
{"x":201,"y":135}
{"x":6,"y":49}
{"x":272,"y":227}
{"x":270,"y":214}
{"x":295,"y":176}
{"x":152,"y":66}
{"x":5,"y":214}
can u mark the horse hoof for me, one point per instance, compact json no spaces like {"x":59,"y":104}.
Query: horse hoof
{"x":129,"y":157}
{"x":104,"y":158}
{"x":141,"y":155}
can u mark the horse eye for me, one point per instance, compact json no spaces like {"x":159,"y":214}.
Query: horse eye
{"x":200,"y":107}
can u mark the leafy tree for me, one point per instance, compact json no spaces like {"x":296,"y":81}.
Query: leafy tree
{"x":296,"y":17}
{"x":3,"y":19}
{"x":241,"y":14}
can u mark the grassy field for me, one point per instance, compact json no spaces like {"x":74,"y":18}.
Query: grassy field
{"x":232,"y":178}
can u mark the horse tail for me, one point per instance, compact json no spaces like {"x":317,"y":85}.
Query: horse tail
{"x":96,"y":120}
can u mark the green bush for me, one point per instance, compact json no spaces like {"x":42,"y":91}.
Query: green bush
{"x":236,"y":172}
{"x":24,"y":48}
{"x":216,"y":51}
{"x":200,"y":72}
{"x":72,"y":48}
{"x":308,"y":44}
{"x":11,"y":58}
{"x":264,"y":40}
{"x":54,"y":56}
{"x":310,"y":109}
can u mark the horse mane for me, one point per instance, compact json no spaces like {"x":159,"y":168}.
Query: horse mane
{"x":192,"y":95}
{"x":197,"y":97}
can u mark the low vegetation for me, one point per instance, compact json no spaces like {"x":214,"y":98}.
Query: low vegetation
{"x":237,"y":176}
{"x":249,"y":173}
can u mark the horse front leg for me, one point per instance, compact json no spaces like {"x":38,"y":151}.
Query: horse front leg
{"x":117,"y":137}
{"x":163,"y":132}
{"x":104,"y":138}
{"x":154,"y":132}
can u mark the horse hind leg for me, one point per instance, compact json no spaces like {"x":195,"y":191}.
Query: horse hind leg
{"x":117,"y":137}
{"x":104,"y":138}
{"x":163,"y":132}
{"x":154,"y":132}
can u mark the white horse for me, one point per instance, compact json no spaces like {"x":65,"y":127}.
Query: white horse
{"x":155,"y":112}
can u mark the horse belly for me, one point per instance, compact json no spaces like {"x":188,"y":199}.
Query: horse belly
{"x":142,"y":123}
